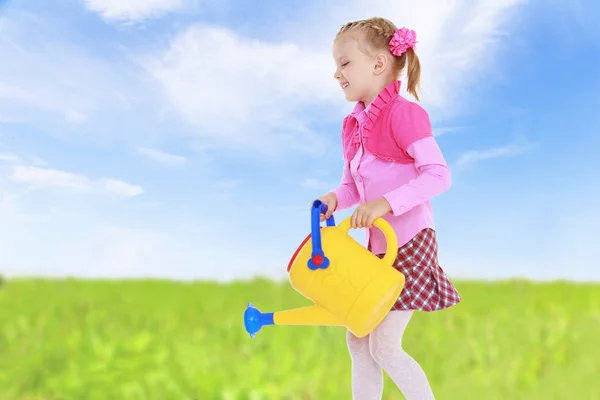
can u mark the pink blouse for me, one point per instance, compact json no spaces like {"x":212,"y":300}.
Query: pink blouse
{"x":407,"y":187}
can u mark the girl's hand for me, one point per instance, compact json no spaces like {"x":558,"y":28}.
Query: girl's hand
{"x":365,"y":214}
{"x":330,"y":199}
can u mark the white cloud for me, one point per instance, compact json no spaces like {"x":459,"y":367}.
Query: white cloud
{"x":262,"y":95}
{"x":457,"y":42}
{"x":437,"y":132}
{"x":46,"y":177}
{"x":133,"y":10}
{"x":121,"y":188}
{"x":161,"y":157}
{"x":42,"y":178}
{"x":75,"y":117}
{"x":233,"y":91}
{"x":10,"y":158}
{"x":250,"y":95}
{"x":472,"y":157}
{"x":47,"y":83}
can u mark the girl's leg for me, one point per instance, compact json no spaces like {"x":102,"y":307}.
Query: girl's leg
{"x":367,"y":376}
{"x":386,"y":349}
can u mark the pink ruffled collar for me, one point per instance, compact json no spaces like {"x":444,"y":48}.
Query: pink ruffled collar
{"x":388,"y":94}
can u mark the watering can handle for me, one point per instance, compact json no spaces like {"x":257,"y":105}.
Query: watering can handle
{"x":318,"y":258}
{"x":330,"y":221}
{"x":389,"y":233}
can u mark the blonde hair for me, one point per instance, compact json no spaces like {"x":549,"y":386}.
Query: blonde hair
{"x":377,"y":33}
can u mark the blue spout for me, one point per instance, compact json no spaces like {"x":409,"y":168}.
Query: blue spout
{"x":254,"y":320}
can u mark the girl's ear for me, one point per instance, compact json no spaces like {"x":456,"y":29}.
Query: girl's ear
{"x":381,"y":62}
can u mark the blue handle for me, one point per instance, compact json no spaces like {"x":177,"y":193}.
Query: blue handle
{"x":329,"y":221}
{"x":318,"y":259}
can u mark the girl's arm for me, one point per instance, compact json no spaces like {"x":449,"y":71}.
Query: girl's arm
{"x":346,"y":193}
{"x":434,"y":177}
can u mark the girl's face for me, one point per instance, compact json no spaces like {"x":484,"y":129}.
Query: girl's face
{"x":355,"y":71}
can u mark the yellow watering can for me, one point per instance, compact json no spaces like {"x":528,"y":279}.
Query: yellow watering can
{"x":349,"y":285}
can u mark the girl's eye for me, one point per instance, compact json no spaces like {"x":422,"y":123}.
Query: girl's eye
{"x":346,"y":63}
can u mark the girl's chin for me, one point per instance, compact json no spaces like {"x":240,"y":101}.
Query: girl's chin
{"x":349,"y":96}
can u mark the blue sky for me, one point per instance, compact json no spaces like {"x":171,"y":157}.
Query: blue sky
{"x":167,"y":138}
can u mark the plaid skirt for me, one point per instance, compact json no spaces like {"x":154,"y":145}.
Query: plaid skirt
{"x":427,"y":288}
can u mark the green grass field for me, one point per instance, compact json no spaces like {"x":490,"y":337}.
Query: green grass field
{"x":103,"y":340}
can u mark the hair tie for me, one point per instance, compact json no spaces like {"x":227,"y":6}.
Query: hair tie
{"x":402,"y":40}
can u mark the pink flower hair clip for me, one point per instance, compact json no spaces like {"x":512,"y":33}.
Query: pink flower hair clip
{"x":402,"y":40}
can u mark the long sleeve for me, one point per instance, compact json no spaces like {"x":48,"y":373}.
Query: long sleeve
{"x":434,"y":177}
{"x":346,"y":192}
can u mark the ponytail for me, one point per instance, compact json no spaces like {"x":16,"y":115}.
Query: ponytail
{"x":414,"y":73}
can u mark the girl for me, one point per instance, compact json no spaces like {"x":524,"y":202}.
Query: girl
{"x":393,"y":167}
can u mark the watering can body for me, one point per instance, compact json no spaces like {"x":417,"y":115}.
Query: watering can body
{"x":349,"y":285}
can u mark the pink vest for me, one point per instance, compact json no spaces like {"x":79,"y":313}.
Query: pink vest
{"x":393,"y":124}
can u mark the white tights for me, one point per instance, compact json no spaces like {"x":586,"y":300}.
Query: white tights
{"x":382,"y":349}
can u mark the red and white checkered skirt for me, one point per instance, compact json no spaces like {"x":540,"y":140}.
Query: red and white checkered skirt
{"x":427,"y":288}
